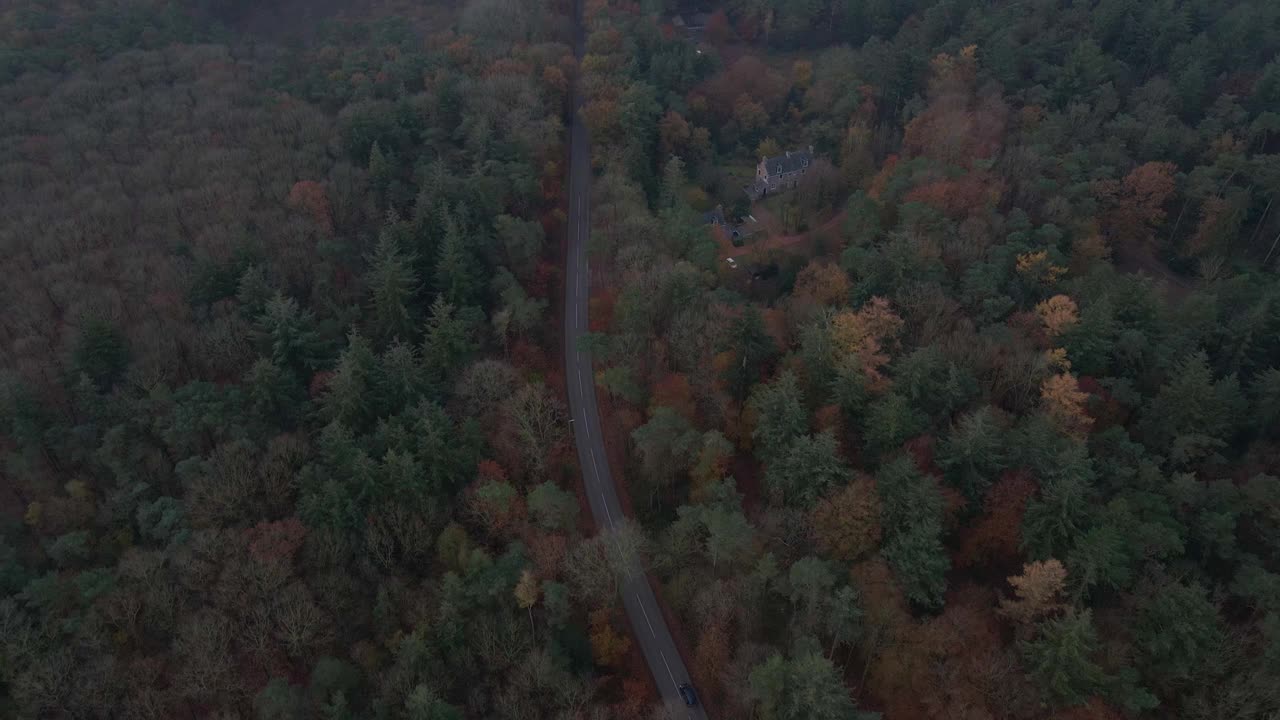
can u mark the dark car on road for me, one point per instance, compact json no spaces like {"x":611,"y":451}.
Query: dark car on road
{"x":687,"y":694}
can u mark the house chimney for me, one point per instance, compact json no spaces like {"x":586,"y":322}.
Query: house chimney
{"x":810,"y":151}
{"x":788,"y":153}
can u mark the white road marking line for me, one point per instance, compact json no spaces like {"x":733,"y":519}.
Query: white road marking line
{"x":603,"y":500}
{"x":646,"y":616}
{"x":673,"y":677}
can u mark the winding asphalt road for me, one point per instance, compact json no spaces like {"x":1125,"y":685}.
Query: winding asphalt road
{"x":647,"y":624}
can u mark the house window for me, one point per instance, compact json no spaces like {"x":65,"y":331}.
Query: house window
{"x":806,"y":163}
{"x":779,"y":169}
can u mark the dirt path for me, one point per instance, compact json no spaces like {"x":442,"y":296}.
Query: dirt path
{"x":781,"y":242}
{"x":1143,"y":260}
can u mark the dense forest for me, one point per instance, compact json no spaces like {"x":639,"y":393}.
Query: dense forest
{"x":991,"y":428}
{"x":983,"y":423}
{"x":280,"y":435}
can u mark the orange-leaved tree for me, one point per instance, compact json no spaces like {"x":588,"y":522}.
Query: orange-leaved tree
{"x":1135,"y":205}
{"x":1037,"y":593}
{"x":846,"y":523}
{"x":1059,"y":313}
{"x":864,"y":333}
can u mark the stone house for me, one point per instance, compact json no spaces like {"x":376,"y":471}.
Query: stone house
{"x":780,"y":173}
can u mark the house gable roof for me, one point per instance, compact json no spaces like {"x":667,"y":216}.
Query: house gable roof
{"x":790,"y":162}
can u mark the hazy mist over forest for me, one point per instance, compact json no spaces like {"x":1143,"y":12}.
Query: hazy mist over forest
{"x":931,"y":350}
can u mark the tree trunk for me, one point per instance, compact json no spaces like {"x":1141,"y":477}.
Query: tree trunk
{"x":1261,"y":221}
{"x":1273,"y":249}
{"x":1173,"y":234}
{"x":871,"y":655}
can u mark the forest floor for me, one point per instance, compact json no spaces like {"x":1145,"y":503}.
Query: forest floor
{"x":1144,"y":260}
{"x":746,"y":472}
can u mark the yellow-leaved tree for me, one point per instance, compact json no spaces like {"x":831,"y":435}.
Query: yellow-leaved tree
{"x":864,"y":333}
{"x":1064,"y":401}
{"x":608,"y":646}
{"x":1059,"y":313}
{"x":527,"y":592}
{"x":1037,"y":593}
